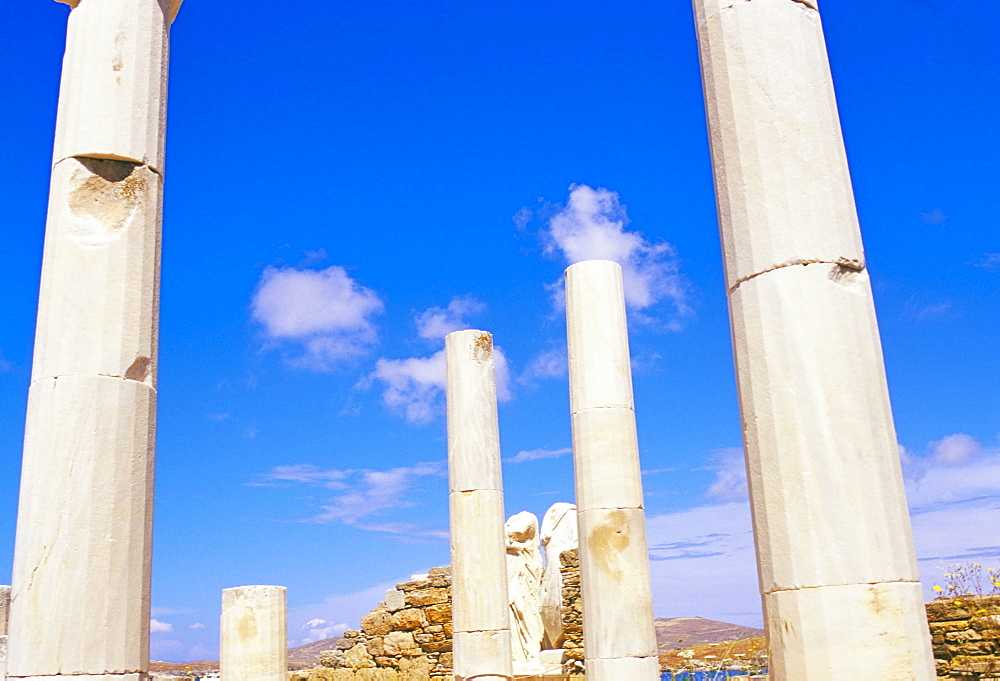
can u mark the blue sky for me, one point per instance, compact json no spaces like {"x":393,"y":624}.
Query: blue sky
{"x":347,"y":181}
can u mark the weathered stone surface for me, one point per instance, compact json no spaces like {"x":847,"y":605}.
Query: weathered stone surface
{"x":399,"y":643}
{"x":377,"y":623}
{"x":358,"y":657}
{"x":614,"y":565}
{"x":253,"y":641}
{"x":404,"y":620}
{"x":438,"y":613}
{"x":394,"y":600}
{"x":822,"y":457}
{"x":424,"y":597}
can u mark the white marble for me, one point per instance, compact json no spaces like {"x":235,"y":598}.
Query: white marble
{"x":113,"y":91}
{"x":824,"y":473}
{"x":253,"y":641}
{"x":480,"y":617}
{"x":524,"y":587}
{"x":849,"y":632}
{"x":614,"y":564}
{"x":80,"y":606}
{"x":476,"y":652}
{"x":80,"y":586}
{"x":558,"y":534}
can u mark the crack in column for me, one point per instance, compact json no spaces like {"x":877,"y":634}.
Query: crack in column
{"x":852,"y":264}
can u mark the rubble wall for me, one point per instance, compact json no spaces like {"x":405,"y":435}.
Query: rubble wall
{"x":965,"y":633}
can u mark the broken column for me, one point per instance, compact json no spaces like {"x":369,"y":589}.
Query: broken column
{"x":253,"y":643}
{"x":80,"y":591}
{"x":619,"y":641}
{"x":480,"y":622}
{"x":835,"y":557}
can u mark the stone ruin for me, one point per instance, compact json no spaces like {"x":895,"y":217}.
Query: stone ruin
{"x":408,"y":636}
{"x":819,"y":439}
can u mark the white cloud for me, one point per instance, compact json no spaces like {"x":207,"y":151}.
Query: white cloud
{"x":363,"y":495}
{"x":954,"y":450}
{"x":318,"y":629}
{"x":730,"y":482}
{"x":325,"y":314}
{"x":536,"y":454}
{"x":196,"y":625}
{"x":415,"y":387}
{"x":437,"y":322}
{"x":593,"y":226}
{"x":348,"y":608}
{"x":156,"y":626}
{"x":547,"y":364}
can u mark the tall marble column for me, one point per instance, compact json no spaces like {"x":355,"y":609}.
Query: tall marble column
{"x":619,"y":641}
{"x":253,"y":639}
{"x":835,"y":557}
{"x":480,"y":620}
{"x":80,"y":592}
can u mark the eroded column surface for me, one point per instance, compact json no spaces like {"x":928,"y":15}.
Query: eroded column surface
{"x":253,"y":640}
{"x":480,"y":620}
{"x":80,"y":592}
{"x":619,"y":641}
{"x":834,"y":550}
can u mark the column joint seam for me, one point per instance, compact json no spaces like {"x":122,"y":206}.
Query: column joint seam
{"x":853,"y":264}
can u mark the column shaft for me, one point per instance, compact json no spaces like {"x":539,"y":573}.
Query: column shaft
{"x":619,"y":640}
{"x":253,"y":639}
{"x":81,"y":577}
{"x":480,"y":615}
{"x":835,"y":557}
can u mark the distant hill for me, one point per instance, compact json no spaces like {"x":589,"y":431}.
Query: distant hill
{"x":671,"y":634}
{"x":683,"y":632}
{"x":308,"y":655}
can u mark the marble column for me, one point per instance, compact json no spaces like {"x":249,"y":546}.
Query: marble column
{"x":80,"y":591}
{"x":480,"y":620}
{"x":838,"y":576}
{"x":253,"y":640}
{"x":4,"y":609}
{"x":619,"y":641}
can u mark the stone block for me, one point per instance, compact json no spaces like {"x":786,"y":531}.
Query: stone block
{"x":854,"y":631}
{"x":438,"y":613}
{"x":479,"y":577}
{"x":818,"y":430}
{"x":399,"y":643}
{"x":394,"y":600}
{"x":253,"y":639}
{"x":410,"y":618}
{"x":97,"y":312}
{"x":358,"y":657}
{"x":87,"y":472}
{"x":615,"y":591}
{"x":783,"y":188}
{"x":115,"y":112}
{"x":606,"y":459}
{"x":482,"y":655}
{"x":473,"y":432}
{"x":425,"y":597}
{"x":377,"y":623}
{"x":597,"y":337}
{"x":631,"y":668}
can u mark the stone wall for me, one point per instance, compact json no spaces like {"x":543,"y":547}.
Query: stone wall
{"x":572,"y":608}
{"x":408,"y":636}
{"x":965,"y":632}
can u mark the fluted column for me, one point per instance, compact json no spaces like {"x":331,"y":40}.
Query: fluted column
{"x":80,"y":592}
{"x":619,"y":640}
{"x":253,"y":639}
{"x":837,"y":571}
{"x":4,"y":611}
{"x":480,"y":615}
